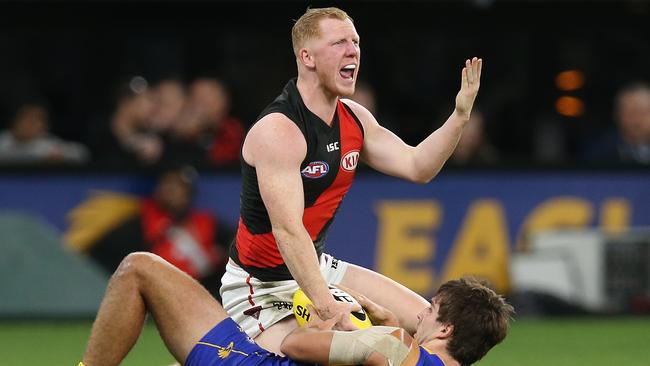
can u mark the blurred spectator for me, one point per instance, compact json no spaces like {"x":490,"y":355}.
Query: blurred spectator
{"x":364,"y":94}
{"x":206,"y":122}
{"x":169,"y":97}
{"x":109,"y":226}
{"x":473,"y":147}
{"x":28,"y":141}
{"x":631,"y":140}
{"x":131,"y":122}
{"x":550,"y":141}
{"x":167,"y":124}
{"x":633,"y":120}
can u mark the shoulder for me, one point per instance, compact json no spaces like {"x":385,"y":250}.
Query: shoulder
{"x":427,"y":358}
{"x":357,"y":108}
{"x":275,"y":126}
{"x":274,"y":134}
{"x":362,"y":113}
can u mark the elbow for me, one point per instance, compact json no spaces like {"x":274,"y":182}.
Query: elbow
{"x":422,"y":171}
{"x":423,"y":177}
{"x":291,"y":347}
{"x":287,"y":346}
{"x":418,"y":175}
{"x":422,"y":180}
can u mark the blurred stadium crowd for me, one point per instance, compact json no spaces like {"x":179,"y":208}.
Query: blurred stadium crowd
{"x":180,"y":82}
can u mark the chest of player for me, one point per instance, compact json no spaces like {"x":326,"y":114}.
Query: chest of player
{"x":333,"y":154}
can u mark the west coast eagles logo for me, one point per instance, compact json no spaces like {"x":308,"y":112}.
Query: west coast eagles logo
{"x":225,"y":351}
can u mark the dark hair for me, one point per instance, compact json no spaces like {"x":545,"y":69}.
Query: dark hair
{"x":479,"y":316}
{"x":186,"y":173}
{"x":633,"y":86}
{"x":27,"y":105}
{"x":29,"y":101}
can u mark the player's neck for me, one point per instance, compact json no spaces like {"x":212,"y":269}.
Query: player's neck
{"x":316,"y":99}
{"x":440,"y":349}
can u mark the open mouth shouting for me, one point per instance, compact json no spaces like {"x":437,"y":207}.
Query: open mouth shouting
{"x":347,"y":72}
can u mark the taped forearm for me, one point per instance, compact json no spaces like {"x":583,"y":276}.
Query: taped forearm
{"x":354,"y":348}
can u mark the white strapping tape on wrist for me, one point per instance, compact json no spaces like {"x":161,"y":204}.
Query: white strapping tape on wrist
{"x":350,"y":348}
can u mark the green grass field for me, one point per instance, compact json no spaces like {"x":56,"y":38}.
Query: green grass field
{"x":559,"y":342}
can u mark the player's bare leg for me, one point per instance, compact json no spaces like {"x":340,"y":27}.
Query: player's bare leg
{"x":271,"y":338}
{"x":183,"y":310}
{"x":403,"y":302}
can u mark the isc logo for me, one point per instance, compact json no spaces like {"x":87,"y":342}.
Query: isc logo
{"x":332,"y":147}
{"x":350,"y":160}
{"x":315,"y":169}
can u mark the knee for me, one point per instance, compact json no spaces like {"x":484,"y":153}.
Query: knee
{"x":136,"y":265}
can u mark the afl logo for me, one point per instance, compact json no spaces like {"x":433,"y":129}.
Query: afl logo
{"x":350,"y":160}
{"x":315,"y":169}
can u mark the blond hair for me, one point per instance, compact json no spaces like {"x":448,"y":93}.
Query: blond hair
{"x":308,"y":26}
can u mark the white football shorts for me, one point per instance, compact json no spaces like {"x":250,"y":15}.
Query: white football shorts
{"x":256,"y":305}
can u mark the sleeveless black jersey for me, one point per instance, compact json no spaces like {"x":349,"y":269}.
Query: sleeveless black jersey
{"x":327,"y":173}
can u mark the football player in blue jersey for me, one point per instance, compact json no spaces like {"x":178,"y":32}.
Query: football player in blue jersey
{"x":463,"y":322}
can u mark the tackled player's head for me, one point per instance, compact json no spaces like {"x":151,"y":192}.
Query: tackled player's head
{"x":479,"y":317}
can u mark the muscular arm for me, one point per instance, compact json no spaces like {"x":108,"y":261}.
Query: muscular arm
{"x":308,"y":345}
{"x":386,"y":152}
{"x":312,"y":345}
{"x":276,"y":147}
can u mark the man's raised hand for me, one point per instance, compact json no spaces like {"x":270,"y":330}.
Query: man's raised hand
{"x":469,"y":85}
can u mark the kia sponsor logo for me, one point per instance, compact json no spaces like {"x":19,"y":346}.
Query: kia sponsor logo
{"x":315,"y":169}
{"x":350,"y":160}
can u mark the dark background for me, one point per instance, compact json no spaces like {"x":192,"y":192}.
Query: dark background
{"x":73,"y":54}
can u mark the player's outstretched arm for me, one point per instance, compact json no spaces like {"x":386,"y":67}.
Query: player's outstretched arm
{"x":373,"y":346}
{"x":379,"y":315}
{"x":387,"y":153}
{"x":312,"y":342}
